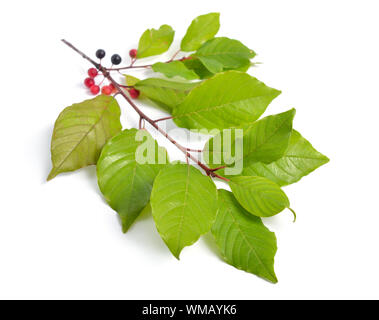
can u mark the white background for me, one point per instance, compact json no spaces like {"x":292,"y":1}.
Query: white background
{"x":61,"y":240}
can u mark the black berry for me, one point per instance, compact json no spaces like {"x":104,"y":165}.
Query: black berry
{"x":100,"y":54}
{"x":116,"y":59}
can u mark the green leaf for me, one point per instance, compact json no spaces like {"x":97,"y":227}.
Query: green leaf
{"x":154,"y":42}
{"x":244,"y":68}
{"x":299,"y":160}
{"x":243,"y":239}
{"x":258,"y":195}
{"x":229,"y":99}
{"x":202,"y":29}
{"x":184,"y":205}
{"x":195,"y":64}
{"x":124,"y":179}
{"x":80,"y":133}
{"x":130,"y":80}
{"x":265,"y":140}
{"x":223,"y":53}
{"x":166,"y":94}
{"x":175,"y":68}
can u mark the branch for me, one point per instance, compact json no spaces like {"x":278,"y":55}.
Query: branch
{"x":132,"y":66}
{"x":163,"y":119}
{"x":97,"y":65}
{"x":198,"y":151}
{"x":142,"y":115}
{"x":174,"y":56}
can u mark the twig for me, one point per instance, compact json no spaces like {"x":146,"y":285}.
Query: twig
{"x":141,"y":123}
{"x":174,"y":56}
{"x":163,"y":119}
{"x":129,"y":67}
{"x":133,"y":62}
{"x":194,"y":150}
{"x":219,"y":168}
{"x":142,"y":115}
{"x":126,"y":87}
{"x":132,"y":66}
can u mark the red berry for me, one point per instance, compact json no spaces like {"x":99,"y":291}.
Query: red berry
{"x":107,"y":90}
{"x":133,"y":53}
{"x":95,"y":89}
{"x":92,"y":72}
{"x":89,"y":82}
{"x":134,"y":93}
{"x":113,"y":88}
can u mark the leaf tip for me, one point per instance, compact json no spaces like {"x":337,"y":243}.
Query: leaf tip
{"x":274,"y":280}
{"x":292,"y":112}
{"x":176,"y":254}
{"x":125,"y":227}
{"x":51,"y":175}
{"x":175,"y":251}
{"x":271,"y":277}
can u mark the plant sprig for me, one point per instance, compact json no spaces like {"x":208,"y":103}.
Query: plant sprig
{"x":255,"y":156}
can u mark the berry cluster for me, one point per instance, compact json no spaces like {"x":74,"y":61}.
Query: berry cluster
{"x":95,"y":89}
{"x":93,"y":73}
